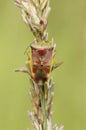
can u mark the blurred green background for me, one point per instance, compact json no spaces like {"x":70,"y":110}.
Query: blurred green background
{"x":67,"y":24}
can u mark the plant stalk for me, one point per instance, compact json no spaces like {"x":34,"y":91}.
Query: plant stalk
{"x":43,"y":105}
{"x":40,"y":62}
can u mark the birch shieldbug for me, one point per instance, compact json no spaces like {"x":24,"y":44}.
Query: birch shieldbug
{"x":41,"y":60}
